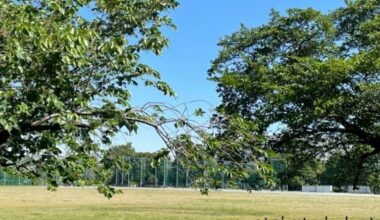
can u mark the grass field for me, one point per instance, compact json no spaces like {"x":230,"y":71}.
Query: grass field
{"x":77,"y":203}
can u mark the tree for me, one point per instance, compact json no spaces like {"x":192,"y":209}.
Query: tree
{"x":311,"y":81}
{"x":65,"y":68}
{"x":338,"y":172}
{"x":116,"y":156}
{"x":125,"y":159}
{"x":122,"y":150}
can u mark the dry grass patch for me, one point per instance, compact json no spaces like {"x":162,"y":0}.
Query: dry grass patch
{"x":77,"y":203}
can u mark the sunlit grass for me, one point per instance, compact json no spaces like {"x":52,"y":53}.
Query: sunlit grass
{"x":77,"y":203}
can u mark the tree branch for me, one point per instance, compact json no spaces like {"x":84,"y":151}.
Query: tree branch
{"x":44,"y":119}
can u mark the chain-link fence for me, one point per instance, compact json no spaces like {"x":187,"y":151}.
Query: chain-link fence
{"x":168,"y":173}
{"x":171,"y":173}
{"x":13,"y":180}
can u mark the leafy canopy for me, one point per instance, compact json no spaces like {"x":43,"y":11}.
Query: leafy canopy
{"x":311,"y":81}
{"x":65,"y":68}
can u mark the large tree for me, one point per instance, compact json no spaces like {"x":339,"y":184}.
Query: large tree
{"x":310,"y":80}
{"x":65,"y":70}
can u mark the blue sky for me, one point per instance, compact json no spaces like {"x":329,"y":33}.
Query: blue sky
{"x":200,"y":25}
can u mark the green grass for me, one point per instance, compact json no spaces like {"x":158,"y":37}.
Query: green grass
{"x":76,"y":203}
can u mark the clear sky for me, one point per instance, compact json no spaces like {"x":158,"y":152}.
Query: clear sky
{"x":200,"y":25}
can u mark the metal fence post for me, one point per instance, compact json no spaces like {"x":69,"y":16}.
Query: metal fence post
{"x":122,"y":178}
{"x":116,"y":177}
{"x":129,"y":171}
{"x":165,"y":172}
{"x":176,"y":175}
{"x":142,"y":171}
{"x":223,"y":183}
{"x":186,"y":178}
{"x":155,"y":177}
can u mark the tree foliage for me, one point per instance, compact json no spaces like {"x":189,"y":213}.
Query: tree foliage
{"x":65,"y":68}
{"x":310,"y":81}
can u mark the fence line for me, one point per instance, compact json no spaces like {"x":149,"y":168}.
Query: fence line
{"x":169,"y":173}
{"x":325,"y":218}
{"x":13,"y":180}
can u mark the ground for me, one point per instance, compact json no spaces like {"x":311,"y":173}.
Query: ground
{"x":86,"y":203}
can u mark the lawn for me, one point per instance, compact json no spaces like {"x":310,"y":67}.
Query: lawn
{"x":77,"y":203}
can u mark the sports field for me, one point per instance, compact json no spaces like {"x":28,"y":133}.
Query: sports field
{"x":78,"y":203}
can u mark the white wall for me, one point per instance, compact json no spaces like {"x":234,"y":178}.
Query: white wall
{"x":322,"y":188}
{"x":308,"y":188}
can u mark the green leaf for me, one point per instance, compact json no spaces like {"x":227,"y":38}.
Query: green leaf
{"x":199,"y":112}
